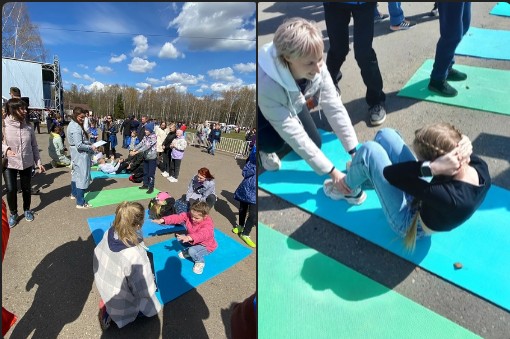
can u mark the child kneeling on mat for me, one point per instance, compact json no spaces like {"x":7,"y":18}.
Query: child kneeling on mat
{"x":199,"y":240}
{"x":122,"y":271}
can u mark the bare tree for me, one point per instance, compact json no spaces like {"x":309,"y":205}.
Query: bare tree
{"x":20,"y":38}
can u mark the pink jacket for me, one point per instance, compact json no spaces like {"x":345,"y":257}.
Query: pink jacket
{"x":202,"y":232}
{"x":21,"y":141}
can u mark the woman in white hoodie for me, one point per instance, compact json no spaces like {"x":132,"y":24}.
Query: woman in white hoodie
{"x":293,"y":79}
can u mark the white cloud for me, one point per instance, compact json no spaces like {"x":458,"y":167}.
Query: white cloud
{"x":232,"y":21}
{"x":169,"y":51}
{"x":155,"y":81}
{"x":103,"y":69}
{"x":204,"y":87}
{"x":245,"y":68}
{"x":76,"y":75}
{"x":178,"y":87}
{"x":199,"y":91}
{"x":114,"y":59}
{"x":65,"y":70}
{"x":141,"y":45}
{"x":222,"y":74}
{"x":139,"y":65}
{"x":184,"y":78}
{"x":143,"y":85}
{"x":220,"y":86}
{"x":88,"y":78}
{"x":83,"y":66}
{"x":95,"y":86}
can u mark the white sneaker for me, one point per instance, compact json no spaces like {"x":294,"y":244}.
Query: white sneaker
{"x":165,"y":174}
{"x":172,"y":179}
{"x":357,"y":198}
{"x":270,"y":161}
{"x":198,"y":268}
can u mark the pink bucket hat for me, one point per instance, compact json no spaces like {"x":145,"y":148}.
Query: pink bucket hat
{"x":162,"y":196}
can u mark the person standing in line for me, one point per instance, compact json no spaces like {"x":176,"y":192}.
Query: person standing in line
{"x":178,"y":146}
{"x":148,"y":147}
{"x":338,"y":16}
{"x":19,"y":145}
{"x":454,"y":22}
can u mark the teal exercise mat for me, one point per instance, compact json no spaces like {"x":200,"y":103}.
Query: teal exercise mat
{"x":501,"y":9}
{"x":102,"y":175}
{"x":485,"y":43}
{"x":99,"y":225}
{"x":305,"y":294}
{"x":115,"y":196}
{"x":485,"y":89}
{"x":481,"y":244}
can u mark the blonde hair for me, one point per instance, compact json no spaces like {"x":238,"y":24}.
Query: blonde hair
{"x":297,"y":38}
{"x":432,"y":141}
{"x":200,"y":207}
{"x":129,"y":217}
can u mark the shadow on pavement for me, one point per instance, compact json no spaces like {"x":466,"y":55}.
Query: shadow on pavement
{"x":64,"y":280}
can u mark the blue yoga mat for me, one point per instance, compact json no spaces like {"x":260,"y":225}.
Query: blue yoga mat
{"x":99,"y":225}
{"x":481,"y":244}
{"x":99,"y":174}
{"x":485,"y":43}
{"x":175,"y":277}
{"x":502,"y":9}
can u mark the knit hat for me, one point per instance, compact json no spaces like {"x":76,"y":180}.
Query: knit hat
{"x":150,"y":127}
{"x":162,"y":196}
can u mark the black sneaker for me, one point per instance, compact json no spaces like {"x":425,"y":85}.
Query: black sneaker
{"x":442,"y":87}
{"x":377,"y":114}
{"x":454,"y":75}
{"x":150,"y":190}
{"x":143,"y":187}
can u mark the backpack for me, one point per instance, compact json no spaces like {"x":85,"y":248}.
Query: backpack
{"x":158,"y":210}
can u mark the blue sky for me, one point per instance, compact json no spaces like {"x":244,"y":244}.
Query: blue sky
{"x":198,"y":48}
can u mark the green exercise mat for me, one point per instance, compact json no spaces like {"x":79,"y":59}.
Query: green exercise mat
{"x":485,"y":89}
{"x":305,"y":294}
{"x":118,"y":195}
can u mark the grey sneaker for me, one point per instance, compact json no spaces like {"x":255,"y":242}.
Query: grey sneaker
{"x":270,"y":161}
{"x":377,"y":114}
{"x":357,"y":198}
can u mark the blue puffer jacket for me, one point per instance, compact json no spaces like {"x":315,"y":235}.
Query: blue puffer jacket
{"x":247,"y":190}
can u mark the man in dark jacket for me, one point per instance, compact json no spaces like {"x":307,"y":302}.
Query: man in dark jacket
{"x":126,"y":130}
{"x":214,"y":137}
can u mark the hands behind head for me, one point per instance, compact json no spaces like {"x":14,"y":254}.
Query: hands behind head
{"x":450,"y":163}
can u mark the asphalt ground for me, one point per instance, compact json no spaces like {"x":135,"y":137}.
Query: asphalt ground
{"x":47,"y":276}
{"x":399,"y":54}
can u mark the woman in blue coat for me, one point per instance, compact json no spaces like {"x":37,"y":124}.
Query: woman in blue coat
{"x":246,"y":194}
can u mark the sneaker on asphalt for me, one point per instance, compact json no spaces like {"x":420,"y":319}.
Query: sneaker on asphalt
{"x":454,"y":75}
{"x":183,"y":254}
{"x":404,"y":25}
{"x":150,"y":190}
{"x":238,"y":229}
{"x":270,"y":161}
{"x":104,"y":318}
{"x":377,"y":114}
{"x":247,"y":240}
{"x":357,"y":197}
{"x":29,"y":215}
{"x":381,"y":17}
{"x":172,"y":179}
{"x":442,"y":87}
{"x":84,"y":206}
{"x":143,"y":187}
{"x":434,"y":12}
{"x":72,"y":197}
{"x":198,"y":268}
{"x":13,"y":220}
{"x":165,"y":174}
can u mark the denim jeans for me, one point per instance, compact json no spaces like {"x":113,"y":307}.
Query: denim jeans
{"x":396,"y":13}
{"x":149,"y":172}
{"x":454,"y":21}
{"x":270,"y":141}
{"x":338,"y":16}
{"x":78,"y":193}
{"x":369,"y":162}
{"x":197,"y":252}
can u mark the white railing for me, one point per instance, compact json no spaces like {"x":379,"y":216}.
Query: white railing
{"x":228,"y":145}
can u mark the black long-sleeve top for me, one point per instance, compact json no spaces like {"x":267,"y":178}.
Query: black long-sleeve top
{"x":445,"y":202}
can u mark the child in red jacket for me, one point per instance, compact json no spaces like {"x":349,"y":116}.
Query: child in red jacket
{"x":199,"y":240}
